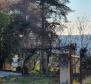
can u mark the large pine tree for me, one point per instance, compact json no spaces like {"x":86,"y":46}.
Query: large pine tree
{"x":49,"y":7}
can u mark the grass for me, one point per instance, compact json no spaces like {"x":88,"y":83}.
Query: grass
{"x":29,"y":80}
{"x":88,"y":82}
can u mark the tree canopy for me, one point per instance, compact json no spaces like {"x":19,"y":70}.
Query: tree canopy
{"x":29,"y":18}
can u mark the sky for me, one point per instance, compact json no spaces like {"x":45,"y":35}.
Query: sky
{"x":80,"y":7}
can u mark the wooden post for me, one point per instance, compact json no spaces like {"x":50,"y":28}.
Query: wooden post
{"x":82,"y":55}
{"x":80,"y":81}
{"x":70,"y":65}
{"x":72,"y":49}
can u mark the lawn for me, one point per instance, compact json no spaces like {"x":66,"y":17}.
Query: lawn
{"x":29,"y":80}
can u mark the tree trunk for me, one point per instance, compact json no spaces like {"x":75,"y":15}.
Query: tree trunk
{"x":1,"y":60}
{"x":44,"y":65}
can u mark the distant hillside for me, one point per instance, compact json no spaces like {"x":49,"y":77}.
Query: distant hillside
{"x":80,"y":40}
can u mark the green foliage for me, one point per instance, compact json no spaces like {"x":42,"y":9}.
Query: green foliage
{"x":12,"y":40}
{"x":86,"y":64}
{"x":59,"y":7}
{"x":4,"y":20}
